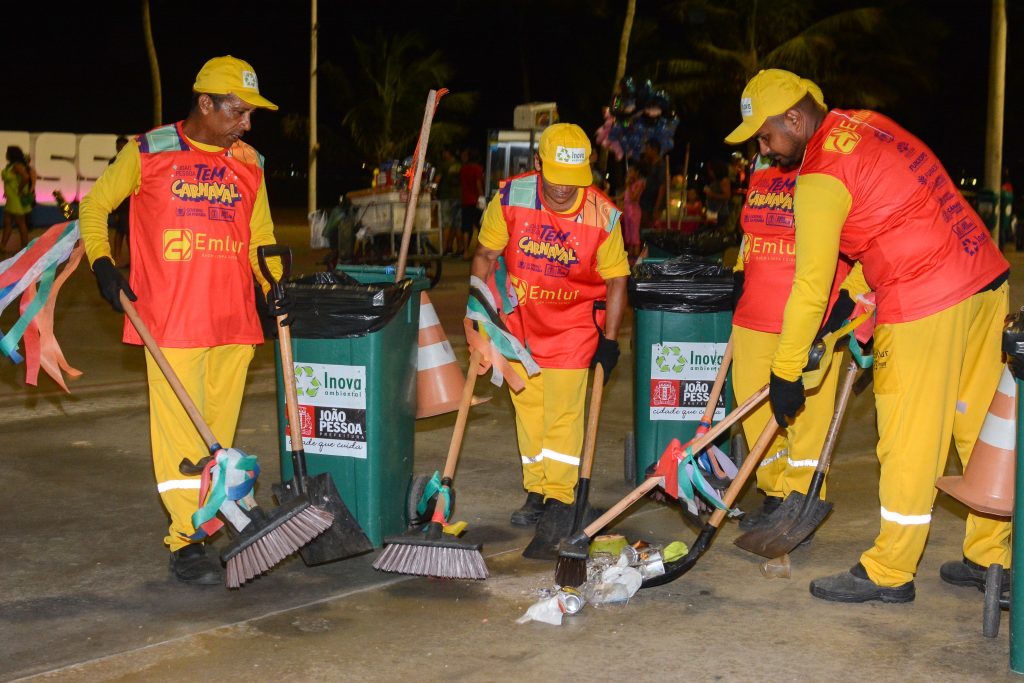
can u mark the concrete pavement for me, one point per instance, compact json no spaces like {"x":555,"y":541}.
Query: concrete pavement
{"x":86,"y":595}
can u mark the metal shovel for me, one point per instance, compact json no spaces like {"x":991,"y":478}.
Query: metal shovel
{"x":345,"y":537}
{"x":801,"y":513}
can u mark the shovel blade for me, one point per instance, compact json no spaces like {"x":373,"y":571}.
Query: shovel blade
{"x":787,"y":527}
{"x":344,"y":539}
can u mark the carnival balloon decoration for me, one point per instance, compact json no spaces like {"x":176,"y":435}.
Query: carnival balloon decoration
{"x":638,"y":113}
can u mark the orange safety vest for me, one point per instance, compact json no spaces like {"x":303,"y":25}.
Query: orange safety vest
{"x":769,"y":251}
{"x":552,"y":265}
{"x":190,"y":242}
{"x":922,"y":246}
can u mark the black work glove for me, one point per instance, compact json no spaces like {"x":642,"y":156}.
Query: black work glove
{"x":280,"y":305}
{"x":787,"y":397}
{"x":607,"y":355}
{"x":837,"y":317}
{"x":737,"y":288}
{"x":112,"y":282}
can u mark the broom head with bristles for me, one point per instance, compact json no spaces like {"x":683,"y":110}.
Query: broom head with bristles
{"x":571,"y":568}
{"x":269,"y":539}
{"x":431,"y":553}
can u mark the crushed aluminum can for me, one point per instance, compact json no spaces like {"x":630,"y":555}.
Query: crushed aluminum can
{"x":645,"y":557}
{"x":652,"y":564}
{"x":570,"y":600}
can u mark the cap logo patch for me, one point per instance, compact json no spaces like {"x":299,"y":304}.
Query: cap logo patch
{"x":249,"y":80}
{"x":571,"y":155}
{"x":746,"y":107}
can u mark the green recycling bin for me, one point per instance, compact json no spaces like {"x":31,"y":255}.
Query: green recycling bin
{"x":354,"y":344}
{"x":682,"y":323}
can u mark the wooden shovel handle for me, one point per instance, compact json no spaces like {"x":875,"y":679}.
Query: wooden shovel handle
{"x":749,"y":465}
{"x":460,"y":421}
{"x":169,"y":374}
{"x":842,"y":400}
{"x":284,"y":337}
{"x":291,"y":397}
{"x":698,"y":445}
{"x":593,"y":417}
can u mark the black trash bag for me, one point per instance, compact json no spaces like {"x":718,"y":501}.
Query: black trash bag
{"x":328,"y":277}
{"x":685,"y":284}
{"x":329,"y":305}
{"x":705,"y":242}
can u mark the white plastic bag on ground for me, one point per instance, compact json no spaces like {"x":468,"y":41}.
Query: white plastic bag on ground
{"x":547,"y":610}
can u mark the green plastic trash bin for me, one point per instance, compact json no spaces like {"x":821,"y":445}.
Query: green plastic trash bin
{"x":682,"y":323}
{"x":354,"y":345}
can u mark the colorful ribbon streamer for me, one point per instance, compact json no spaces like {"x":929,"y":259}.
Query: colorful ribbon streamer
{"x":32,"y":273}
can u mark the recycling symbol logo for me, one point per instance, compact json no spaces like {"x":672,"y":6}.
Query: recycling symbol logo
{"x":306,"y":384}
{"x":670,"y":359}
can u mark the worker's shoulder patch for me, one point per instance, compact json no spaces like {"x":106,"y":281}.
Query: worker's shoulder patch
{"x":600,"y":211}
{"x":247,"y":154}
{"x":522,"y":192}
{"x":162,"y":139}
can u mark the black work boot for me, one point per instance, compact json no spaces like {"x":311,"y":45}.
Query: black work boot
{"x":191,"y":565}
{"x":967,"y":573}
{"x":855,"y":586}
{"x":530,"y":512}
{"x":756,"y":518}
{"x":554,"y":526}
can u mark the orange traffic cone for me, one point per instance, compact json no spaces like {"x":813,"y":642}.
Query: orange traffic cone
{"x":439,"y":379}
{"x":987,"y":484}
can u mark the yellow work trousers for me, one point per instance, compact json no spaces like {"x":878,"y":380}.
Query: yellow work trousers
{"x":549,"y":424}
{"x":934,"y":378}
{"x":215,"y":379}
{"x":791,"y":458}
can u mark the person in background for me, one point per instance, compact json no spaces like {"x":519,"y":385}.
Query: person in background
{"x":18,"y":190}
{"x":870,"y":190}
{"x":718,"y":192}
{"x":763,"y":277}
{"x":559,"y":240}
{"x":449,"y":194}
{"x":631,"y":209}
{"x":694,"y":206}
{"x":652,"y":200}
{"x":471,"y":183}
{"x":196,"y":295}
{"x":738,"y":179}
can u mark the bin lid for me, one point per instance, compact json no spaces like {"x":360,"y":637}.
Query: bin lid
{"x":327,"y":306}
{"x":685,"y":284}
{"x":379,"y":274}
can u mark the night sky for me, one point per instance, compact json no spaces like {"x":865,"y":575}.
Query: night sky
{"x":84,"y":68}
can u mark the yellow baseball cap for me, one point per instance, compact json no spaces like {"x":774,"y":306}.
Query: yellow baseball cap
{"x":770,"y":93}
{"x":223,"y":75}
{"x":564,"y":151}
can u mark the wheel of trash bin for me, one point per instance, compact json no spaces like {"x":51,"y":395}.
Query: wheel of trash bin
{"x":416,"y":488}
{"x":993,"y":591}
{"x":738,"y":451}
{"x":629,"y":459}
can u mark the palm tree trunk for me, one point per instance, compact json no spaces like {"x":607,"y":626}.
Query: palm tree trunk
{"x":620,"y":67}
{"x":154,"y":67}
{"x":627,"y":29}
